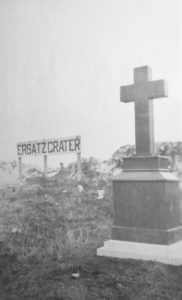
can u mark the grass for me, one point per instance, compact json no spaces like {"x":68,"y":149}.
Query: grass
{"x":46,"y":221}
{"x":49,"y":230}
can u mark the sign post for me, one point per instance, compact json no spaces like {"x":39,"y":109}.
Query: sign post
{"x":79,"y":167}
{"x":20,"y":166}
{"x":45,"y":165}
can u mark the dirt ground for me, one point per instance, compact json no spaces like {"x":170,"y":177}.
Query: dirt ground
{"x":99,"y":279}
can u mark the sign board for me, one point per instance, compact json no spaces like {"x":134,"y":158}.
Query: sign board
{"x":49,"y":147}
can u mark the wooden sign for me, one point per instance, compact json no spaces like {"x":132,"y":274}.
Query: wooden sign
{"x":50,"y":147}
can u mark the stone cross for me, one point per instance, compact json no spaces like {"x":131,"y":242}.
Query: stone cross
{"x":141,"y":93}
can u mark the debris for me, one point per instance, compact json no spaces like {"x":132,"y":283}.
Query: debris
{"x":101,"y":194}
{"x":16,"y":230}
{"x":116,"y":171}
{"x":80,"y":188}
{"x":119,"y":286}
{"x":75,"y":275}
{"x":52,"y":173}
{"x":64,"y":191}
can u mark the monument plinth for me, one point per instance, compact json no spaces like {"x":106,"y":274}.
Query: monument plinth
{"x":145,"y":194}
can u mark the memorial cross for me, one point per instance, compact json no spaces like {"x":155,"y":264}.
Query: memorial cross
{"x":141,"y":93}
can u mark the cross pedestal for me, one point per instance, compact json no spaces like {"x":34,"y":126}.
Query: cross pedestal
{"x":145,"y":195}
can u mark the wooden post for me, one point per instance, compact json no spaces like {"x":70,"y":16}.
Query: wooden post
{"x":45,"y":165}
{"x":79,"y":167}
{"x":20,"y":166}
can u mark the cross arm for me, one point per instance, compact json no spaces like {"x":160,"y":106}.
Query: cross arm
{"x":157,"y":89}
{"x":127,"y":93}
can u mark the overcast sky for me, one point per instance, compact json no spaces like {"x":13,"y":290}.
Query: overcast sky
{"x":62,"y":63}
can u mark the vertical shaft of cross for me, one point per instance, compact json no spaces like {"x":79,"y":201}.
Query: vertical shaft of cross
{"x":144,"y":127}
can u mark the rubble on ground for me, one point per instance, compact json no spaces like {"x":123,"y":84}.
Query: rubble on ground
{"x":92,"y":168}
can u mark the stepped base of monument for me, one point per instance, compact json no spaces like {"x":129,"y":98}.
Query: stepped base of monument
{"x":147,"y":235}
{"x":168,"y":254}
